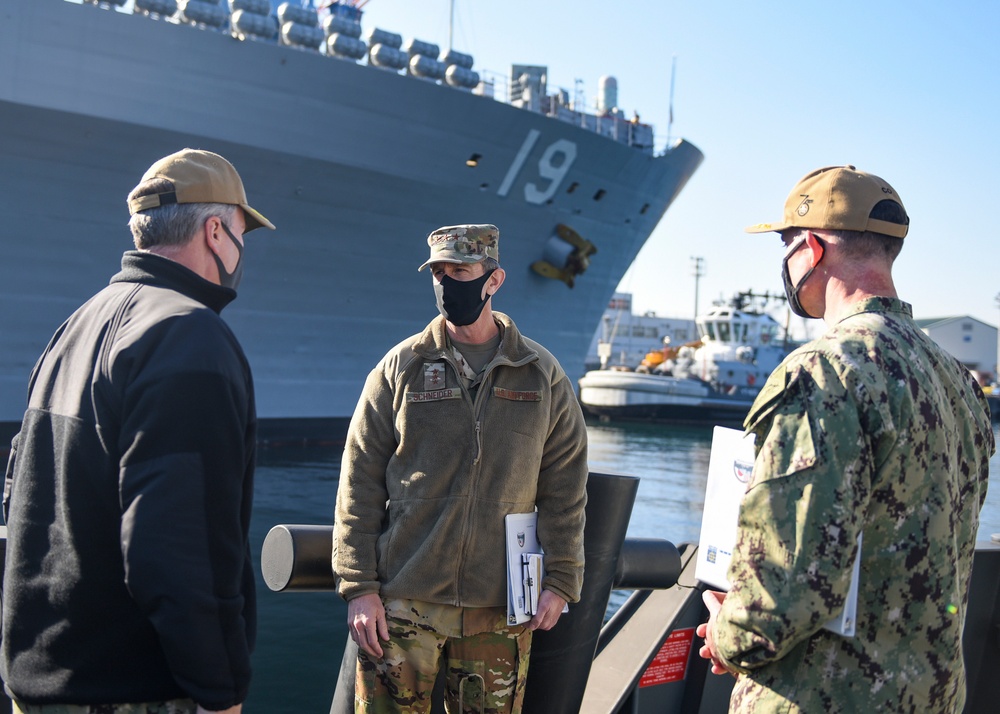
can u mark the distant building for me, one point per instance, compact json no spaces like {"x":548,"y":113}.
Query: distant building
{"x":973,"y":342}
{"x":632,"y":336}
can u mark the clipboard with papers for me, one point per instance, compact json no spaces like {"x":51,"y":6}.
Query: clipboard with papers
{"x":730,"y":469}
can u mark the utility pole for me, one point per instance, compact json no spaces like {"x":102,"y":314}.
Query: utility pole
{"x":670,"y":117}
{"x":699,"y":270}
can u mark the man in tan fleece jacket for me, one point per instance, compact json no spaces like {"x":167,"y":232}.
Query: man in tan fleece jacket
{"x":457,"y":427}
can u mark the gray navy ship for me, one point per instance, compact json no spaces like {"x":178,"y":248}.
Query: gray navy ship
{"x":355,"y":143}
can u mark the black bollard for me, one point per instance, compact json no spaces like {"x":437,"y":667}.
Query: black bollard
{"x":562,"y":657}
{"x":647,"y":564}
{"x":298,"y":558}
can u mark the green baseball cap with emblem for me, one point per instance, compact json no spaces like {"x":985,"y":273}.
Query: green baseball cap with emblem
{"x":193,"y":176}
{"x":468,"y":243}
{"x":838,"y":198}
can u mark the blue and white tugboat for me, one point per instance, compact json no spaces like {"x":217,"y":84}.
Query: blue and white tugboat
{"x":713,"y":380}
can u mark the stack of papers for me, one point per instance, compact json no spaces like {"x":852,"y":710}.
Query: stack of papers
{"x":524,"y":567}
{"x":730,"y":469}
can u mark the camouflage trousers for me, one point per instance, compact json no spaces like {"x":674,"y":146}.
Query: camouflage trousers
{"x":174,"y":706}
{"x":485,"y":663}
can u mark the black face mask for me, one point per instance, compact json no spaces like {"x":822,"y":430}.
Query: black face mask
{"x":459,"y":301}
{"x":792,"y":291}
{"x":226,"y":279}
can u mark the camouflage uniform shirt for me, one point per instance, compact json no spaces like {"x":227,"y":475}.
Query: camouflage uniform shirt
{"x":871,"y":429}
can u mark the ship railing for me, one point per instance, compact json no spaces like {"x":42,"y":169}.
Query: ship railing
{"x":301,"y":29}
{"x":646,"y":653}
{"x":298,"y":558}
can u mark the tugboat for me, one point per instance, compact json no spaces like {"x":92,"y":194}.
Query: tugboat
{"x":712,"y":380}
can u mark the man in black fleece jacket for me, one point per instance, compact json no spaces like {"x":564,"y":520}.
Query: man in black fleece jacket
{"x":128,"y":584}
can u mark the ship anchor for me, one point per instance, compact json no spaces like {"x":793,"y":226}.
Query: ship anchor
{"x":567,"y":248}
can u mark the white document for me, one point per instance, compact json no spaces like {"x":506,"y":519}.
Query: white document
{"x":522,"y":572}
{"x":730,"y":467}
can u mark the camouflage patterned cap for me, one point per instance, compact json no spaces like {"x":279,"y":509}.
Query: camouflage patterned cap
{"x":469,"y":243}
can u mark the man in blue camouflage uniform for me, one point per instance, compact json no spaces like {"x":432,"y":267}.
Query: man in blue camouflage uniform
{"x":457,"y":427}
{"x":874,"y":431}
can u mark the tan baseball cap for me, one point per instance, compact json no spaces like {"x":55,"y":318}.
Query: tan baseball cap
{"x":837,"y":198}
{"x":193,"y":176}
{"x":468,"y":243}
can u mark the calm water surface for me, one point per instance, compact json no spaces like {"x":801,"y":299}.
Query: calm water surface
{"x":301,"y":635}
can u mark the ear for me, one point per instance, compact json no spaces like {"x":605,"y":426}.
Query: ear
{"x":495,"y":281}
{"x":815,"y":246}
{"x":213,"y":235}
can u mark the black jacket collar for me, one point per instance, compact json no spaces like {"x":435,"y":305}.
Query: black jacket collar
{"x":139,"y":266}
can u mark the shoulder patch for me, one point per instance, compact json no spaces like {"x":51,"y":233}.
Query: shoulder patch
{"x":767,"y":398}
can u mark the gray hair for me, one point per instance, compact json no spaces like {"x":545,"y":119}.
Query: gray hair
{"x":865,"y":244}
{"x":174,"y":224}
{"x":490,"y":264}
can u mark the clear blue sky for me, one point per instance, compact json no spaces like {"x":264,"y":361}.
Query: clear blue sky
{"x":769,"y":91}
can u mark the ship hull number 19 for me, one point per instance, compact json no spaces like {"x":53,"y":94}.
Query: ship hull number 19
{"x":553,"y":166}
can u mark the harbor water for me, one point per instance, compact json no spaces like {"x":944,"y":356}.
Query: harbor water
{"x":301,"y":635}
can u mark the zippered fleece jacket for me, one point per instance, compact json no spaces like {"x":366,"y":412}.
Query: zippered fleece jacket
{"x":127,"y":502}
{"x":429,"y":472}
